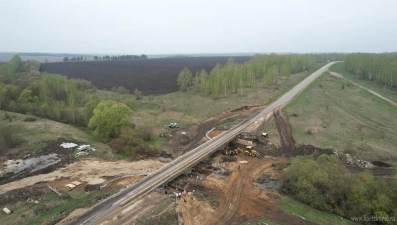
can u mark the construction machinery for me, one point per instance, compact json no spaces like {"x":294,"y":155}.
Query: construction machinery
{"x":255,"y":153}
{"x":252,"y":153}
{"x":264,"y":134}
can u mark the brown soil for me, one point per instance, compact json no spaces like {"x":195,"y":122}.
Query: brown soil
{"x":92,"y":171}
{"x":239,"y":200}
{"x":285,"y":131}
{"x":215,"y":133}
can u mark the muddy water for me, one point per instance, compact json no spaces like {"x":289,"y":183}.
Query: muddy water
{"x":272,"y":184}
{"x":30,"y":165}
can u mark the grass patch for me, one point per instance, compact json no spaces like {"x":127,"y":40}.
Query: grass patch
{"x":373,"y":85}
{"x":350,"y":120}
{"x":51,"y":208}
{"x":206,"y":198}
{"x":67,"y":206}
{"x":162,"y":214}
{"x":37,"y":133}
{"x":310,"y":214}
{"x":187,"y":108}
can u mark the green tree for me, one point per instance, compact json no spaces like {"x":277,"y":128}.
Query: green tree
{"x":185,"y":79}
{"x":89,"y":107}
{"x":26,"y":96}
{"x":109,"y":118}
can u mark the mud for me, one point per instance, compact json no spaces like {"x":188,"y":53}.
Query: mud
{"x":285,"y":131}
{"x":310,"y":149}
{"x":53,"y":157}
{"x":272,"y":184}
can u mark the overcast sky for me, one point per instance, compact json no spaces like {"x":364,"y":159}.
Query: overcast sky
{"x":202,"y":26}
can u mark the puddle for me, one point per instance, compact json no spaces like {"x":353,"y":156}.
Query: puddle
{"x":273,"y":184}
{"x":381,"y":164}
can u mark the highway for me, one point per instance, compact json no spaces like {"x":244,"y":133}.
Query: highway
{"x":173,"y":169}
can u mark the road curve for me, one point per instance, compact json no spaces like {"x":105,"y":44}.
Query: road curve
{"x":173,"y":169}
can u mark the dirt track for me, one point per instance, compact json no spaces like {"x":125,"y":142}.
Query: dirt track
{"x":364,"y":88}
{"x":240,"y":201}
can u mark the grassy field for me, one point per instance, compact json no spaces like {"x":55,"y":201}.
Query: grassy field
{"x":381,"y":89}
{"x":187,"y":108}
{"x":306,"y":212}
{"x":36,"y":134}
{"x":50,"y":207}
{"x":331,"y":113}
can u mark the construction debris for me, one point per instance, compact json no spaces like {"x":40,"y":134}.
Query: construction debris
{"x":243,"y":142}
{"x":32,"y":201}
{"x":68,"y":145}
{"x":84,"y":150}
{"x":248,"y":136}
{"x":55,"y":190}
{"x":347,"y":159}
{"x":72,"y":185}
{"x":76,"y":183}
{"x":7,"y":211}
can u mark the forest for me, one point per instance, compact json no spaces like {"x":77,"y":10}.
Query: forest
{"x":25,"y":90}
{"x":260,"y":71}
{"x":381,"y":68}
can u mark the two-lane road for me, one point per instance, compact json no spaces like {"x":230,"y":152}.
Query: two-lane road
{"x":117,"y":203}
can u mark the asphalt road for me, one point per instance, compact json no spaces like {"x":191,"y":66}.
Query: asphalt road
{"x":115,"y":203}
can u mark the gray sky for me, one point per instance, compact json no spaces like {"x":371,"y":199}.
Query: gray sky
{"x":202,"y":26}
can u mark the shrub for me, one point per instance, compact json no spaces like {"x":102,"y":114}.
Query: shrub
{"x":138,"y":94}
{"x":146,"y":131}
{"x":9,"y":137}
{"x":329,"y":187}
{"x":30,"y":119}
{"x":310,"y":131}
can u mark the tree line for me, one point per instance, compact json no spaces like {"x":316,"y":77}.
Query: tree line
{"x":23,"y":89}
{"x":381,"y":68}
{"x":322,"y":183}
{"x":260,"y":71}
{"x":105,"y":58}
{"x":74,"y":59}
{"x":120,"y":57}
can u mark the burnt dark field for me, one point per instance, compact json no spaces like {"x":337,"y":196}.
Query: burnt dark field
{"x":151,"y":76}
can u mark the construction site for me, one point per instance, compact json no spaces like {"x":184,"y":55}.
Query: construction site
{"x":238,"y":184}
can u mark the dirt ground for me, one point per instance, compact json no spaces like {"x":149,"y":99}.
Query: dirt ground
{"x":239,"y":200}
{"x":91,"y":171}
